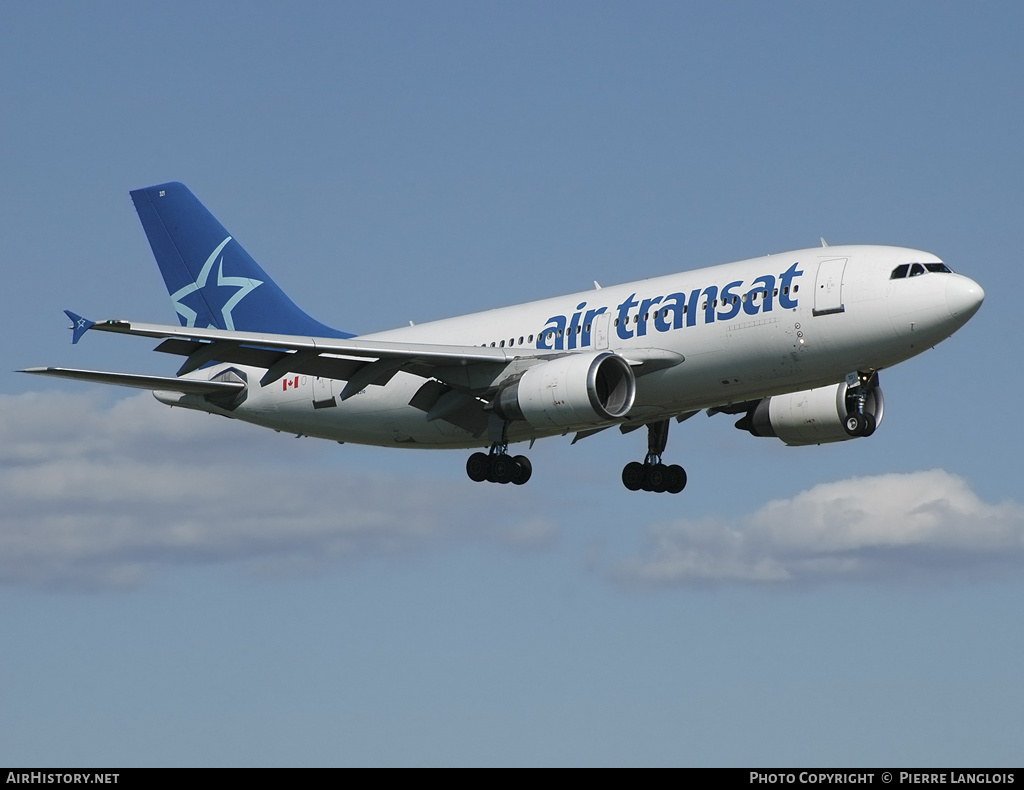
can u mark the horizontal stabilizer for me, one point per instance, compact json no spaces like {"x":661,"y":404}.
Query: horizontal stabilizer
{"x":165,"y":383}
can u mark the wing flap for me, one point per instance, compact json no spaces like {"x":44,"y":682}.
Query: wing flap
{"x":442,"y":403}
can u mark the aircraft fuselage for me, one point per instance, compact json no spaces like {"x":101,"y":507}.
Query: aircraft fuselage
{"x":732,"y":333}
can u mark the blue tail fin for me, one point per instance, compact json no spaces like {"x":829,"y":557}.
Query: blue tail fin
{"x":212,"y":281}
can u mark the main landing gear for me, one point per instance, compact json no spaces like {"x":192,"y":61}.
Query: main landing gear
{"x":652,"y":474}
{"x":498,"y":466}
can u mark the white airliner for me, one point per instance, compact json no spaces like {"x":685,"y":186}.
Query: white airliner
{"x":793,"y":342}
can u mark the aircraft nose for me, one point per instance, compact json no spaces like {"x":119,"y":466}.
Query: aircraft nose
{"x":963,"y":296}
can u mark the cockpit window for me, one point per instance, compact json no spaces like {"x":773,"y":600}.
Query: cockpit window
{"x":917,"y":269}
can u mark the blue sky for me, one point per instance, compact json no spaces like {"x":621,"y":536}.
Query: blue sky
{"x":177,"y":589}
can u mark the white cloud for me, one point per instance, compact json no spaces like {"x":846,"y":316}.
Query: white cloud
{"x":894,"y":525}
{"x":101,"y":495}
{"x":98,"y":496}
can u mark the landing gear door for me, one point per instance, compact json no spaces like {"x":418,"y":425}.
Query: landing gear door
{"x":828,"y":287}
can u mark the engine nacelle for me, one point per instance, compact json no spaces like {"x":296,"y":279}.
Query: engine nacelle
{"x":812,"y":416}
{"x":576,"y":389}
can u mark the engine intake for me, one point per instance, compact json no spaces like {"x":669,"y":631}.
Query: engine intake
{"x":575,"y":389}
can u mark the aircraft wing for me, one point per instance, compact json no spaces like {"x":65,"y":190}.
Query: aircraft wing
{"x":470,"y":369}
{"x":359,"y":362}
{"x":167,"y":383}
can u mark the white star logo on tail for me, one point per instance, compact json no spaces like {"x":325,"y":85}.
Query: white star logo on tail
{"x":245,"y":286}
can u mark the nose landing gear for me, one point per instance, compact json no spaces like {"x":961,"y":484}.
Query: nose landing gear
{"x":860,"y":386}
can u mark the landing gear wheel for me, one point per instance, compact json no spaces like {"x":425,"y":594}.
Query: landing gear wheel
{"x":502,"y":469}
{"x":676,"y":479}
{"x":656,"y":478}
{"x":855,"y":424}
{"x":870,"y":426}
{"x":523,"y":470}
{"x":633,"y":475}
{"x":478,"y":467}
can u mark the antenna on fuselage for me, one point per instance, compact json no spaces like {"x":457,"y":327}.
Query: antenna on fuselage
{"x":823,"y":242}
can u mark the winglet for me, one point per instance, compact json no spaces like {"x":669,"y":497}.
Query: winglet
{"x":79,"y":326}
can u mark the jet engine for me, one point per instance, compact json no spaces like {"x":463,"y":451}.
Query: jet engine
{"x":575,"y":389}
{"x":816,"y":416}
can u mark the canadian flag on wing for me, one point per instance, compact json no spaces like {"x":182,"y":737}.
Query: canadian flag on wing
{"x":290,"y":384}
